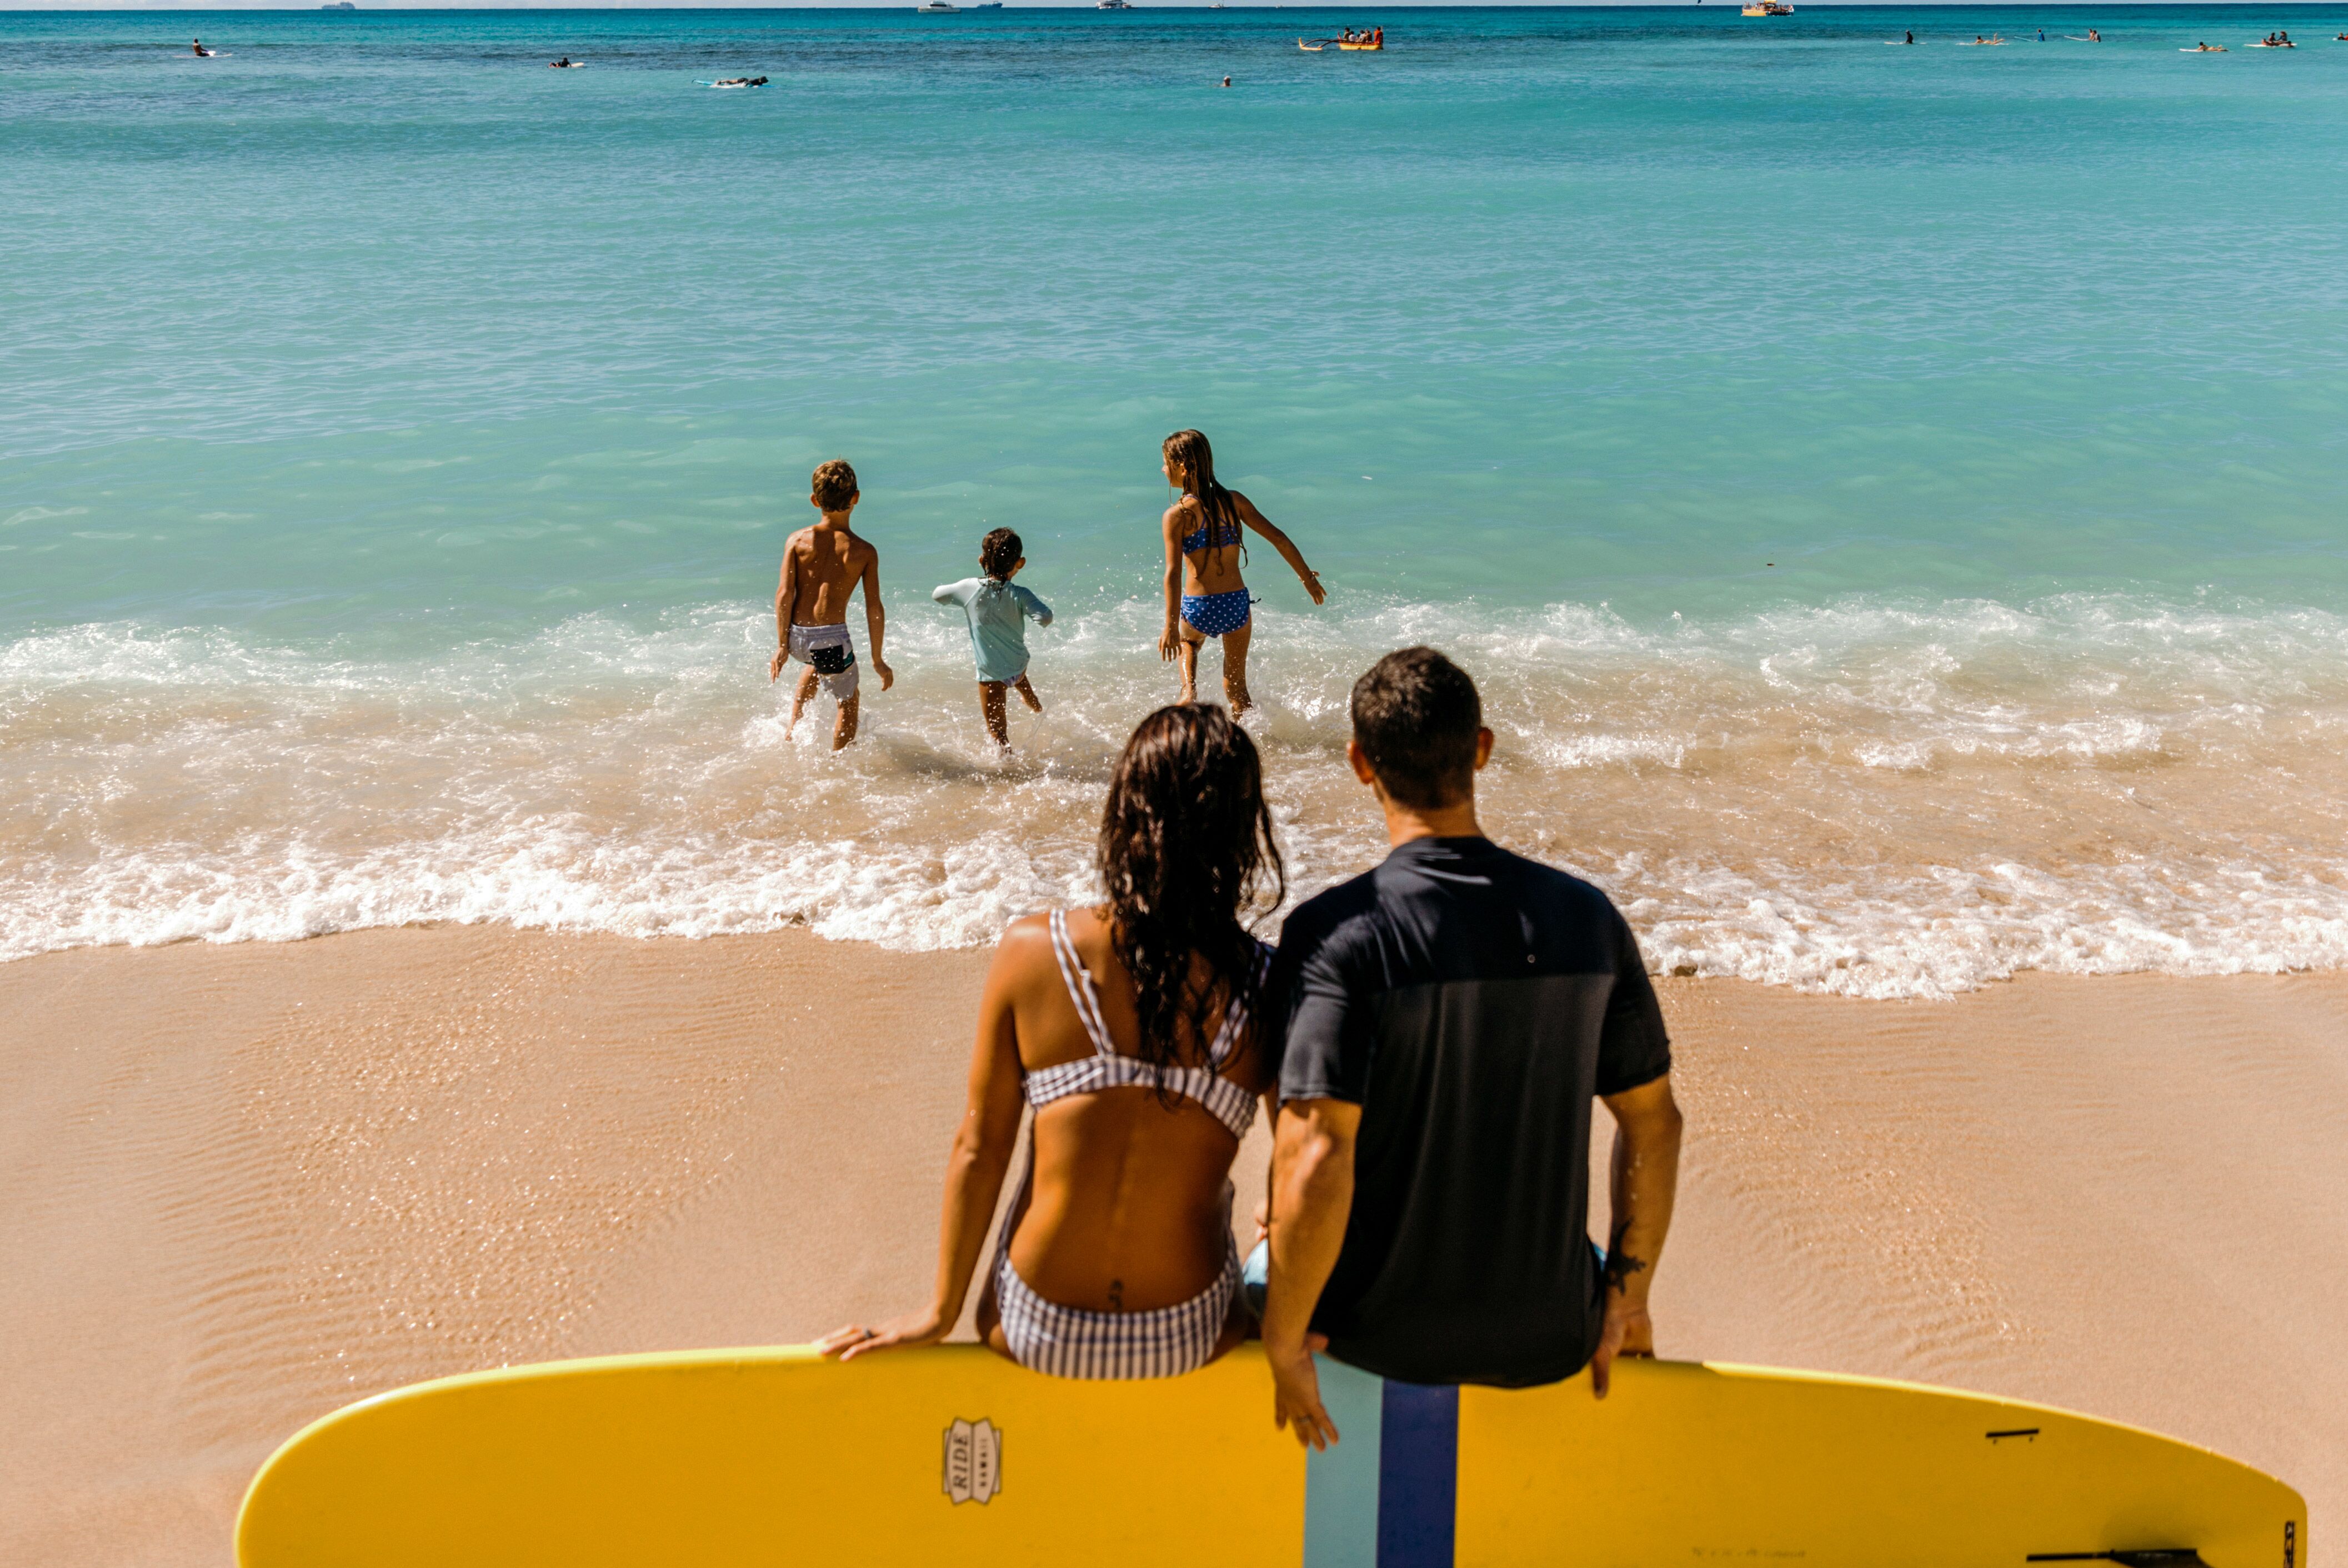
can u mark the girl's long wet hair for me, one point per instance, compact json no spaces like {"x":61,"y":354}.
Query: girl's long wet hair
{"x":1189,"y":860}
{"x":1192,"y":459}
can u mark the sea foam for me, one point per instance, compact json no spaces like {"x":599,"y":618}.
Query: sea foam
{"x":1883,"y":798}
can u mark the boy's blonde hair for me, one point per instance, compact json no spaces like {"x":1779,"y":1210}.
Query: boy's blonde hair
{"x":835,"y":485}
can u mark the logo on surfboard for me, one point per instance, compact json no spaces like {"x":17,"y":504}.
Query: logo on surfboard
{"x":974,"y":1471}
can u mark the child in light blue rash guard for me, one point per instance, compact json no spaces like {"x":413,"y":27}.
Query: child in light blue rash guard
{"x":998,"y":612}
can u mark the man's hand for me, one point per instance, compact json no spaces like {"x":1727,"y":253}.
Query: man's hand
{"x":1296,"y":1393}
{"x":887,"y":676}
{"x":775,"y":670}
{"x":1627,"y":1331}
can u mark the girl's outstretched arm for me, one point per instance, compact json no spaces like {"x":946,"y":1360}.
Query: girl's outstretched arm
{"x":1282,"y":543}
{"x":975,"y":1167}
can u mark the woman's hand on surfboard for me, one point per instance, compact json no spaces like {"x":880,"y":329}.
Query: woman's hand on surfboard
{"x":914,"y":1328}
{"x":1629,"y":1332}
{"x":1296,"y":1393}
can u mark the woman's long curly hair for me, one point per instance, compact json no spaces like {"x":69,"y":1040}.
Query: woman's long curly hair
{"x":1188,"y":857}
{"x":1193,"y":462}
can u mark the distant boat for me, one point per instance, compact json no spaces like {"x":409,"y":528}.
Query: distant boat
{"x":988,"y":5}
{"x":1769,"y":8}
{"x":937,"y":9}
{"x":338,"y":6}
{"x":1115,"y":6}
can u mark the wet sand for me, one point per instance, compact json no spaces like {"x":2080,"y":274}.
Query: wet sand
{"x":241,"y":1185}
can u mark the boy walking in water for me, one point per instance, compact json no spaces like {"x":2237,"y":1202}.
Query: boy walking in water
{"x":822,"y":566}
{"x":999,"y":612}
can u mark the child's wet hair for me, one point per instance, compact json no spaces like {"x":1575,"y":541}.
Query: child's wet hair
{"x":998,"y":553}
{"x":835,"y":484}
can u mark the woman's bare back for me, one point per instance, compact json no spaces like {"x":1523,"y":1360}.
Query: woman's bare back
{"x":1127,"y":1209}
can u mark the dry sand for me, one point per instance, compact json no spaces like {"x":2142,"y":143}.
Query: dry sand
{"x":240,"y":1186}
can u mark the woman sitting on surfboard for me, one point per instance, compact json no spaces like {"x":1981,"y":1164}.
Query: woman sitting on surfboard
{"x":1205,"y":597}
{"x":1130,"y":1028}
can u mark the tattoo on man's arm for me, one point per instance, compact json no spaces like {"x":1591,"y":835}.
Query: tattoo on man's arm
{"x":1620,"y":1265}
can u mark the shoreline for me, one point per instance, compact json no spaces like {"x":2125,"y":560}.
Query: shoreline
{"x":245,"y":1184}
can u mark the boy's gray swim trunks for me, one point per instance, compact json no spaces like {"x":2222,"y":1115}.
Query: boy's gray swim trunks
{"x":831,"y":654}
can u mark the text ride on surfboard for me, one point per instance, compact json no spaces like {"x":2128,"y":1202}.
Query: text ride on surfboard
{"x":954,"y":1455}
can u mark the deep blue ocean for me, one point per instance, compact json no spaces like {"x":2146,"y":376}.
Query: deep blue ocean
{"x":1891,"y":495}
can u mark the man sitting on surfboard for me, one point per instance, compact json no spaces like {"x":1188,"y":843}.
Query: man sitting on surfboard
{"x":1447,"y":1018}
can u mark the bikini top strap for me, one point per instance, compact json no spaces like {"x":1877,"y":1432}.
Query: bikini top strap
{"x":1079,"y":981}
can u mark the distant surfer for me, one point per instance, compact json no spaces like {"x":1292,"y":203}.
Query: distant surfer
{"x":1205,"y":595}
{"x":1227,"y":81}
{"x":563,"y":63}
{"x":2094,"y":37}
{"x":201,"y":52}
{"x":1911,"y":37}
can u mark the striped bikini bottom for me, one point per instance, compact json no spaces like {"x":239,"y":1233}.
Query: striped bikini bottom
{"x":1067,"y":1341}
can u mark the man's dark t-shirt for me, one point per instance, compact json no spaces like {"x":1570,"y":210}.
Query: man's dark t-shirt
{"x":1471,"y":1002}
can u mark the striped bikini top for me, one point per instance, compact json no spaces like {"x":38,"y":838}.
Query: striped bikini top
{"x":1229,"y":1103}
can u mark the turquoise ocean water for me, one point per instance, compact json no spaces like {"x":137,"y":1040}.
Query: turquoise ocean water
{"x":1891,"y":497}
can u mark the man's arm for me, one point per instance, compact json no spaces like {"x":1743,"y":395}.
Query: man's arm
{"x":1312,"y":1199}
{"x":787,"y":592}
{"x":875,"y":618}
{"x":1644,"y":1183}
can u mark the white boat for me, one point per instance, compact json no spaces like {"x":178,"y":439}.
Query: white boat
{"x":1115,"y":6}
{"x":937,"y":9}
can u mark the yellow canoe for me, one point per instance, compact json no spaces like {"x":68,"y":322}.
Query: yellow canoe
{"x":1372,"y":47}
{"x":954,"y":1456}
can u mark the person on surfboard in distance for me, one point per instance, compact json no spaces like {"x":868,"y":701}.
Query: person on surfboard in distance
{"x":1444,"y":1021}
{"x":1205,"y":534}
{"x":1130,"y":1028}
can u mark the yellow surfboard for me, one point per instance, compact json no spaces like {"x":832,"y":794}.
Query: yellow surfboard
{"x":954,"y":1456}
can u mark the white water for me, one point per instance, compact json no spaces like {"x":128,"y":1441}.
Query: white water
{"x":1882,"y":799}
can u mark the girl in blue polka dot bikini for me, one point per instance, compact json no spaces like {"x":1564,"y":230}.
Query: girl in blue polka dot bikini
{"x":1204,"y":549}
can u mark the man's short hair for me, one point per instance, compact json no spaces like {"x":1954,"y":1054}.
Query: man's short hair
{"x":1416,"y":716}
{"x":835,"y":484}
